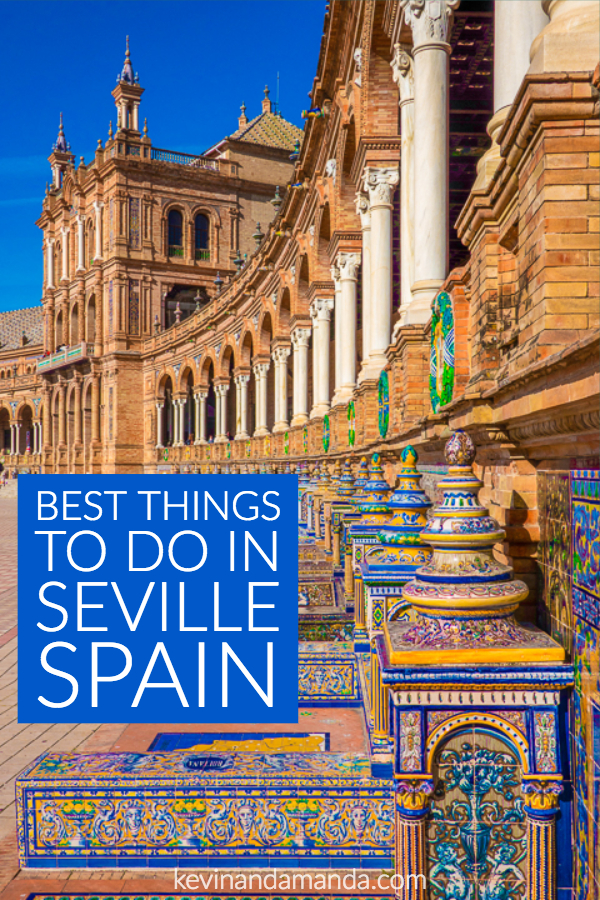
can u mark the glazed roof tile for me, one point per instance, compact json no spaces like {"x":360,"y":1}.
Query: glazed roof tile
{"x":17,"y":321}
{"x":269,"y":130}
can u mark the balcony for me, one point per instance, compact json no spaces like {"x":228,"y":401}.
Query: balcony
{"x":185,"y":159}
{"x":175,"y":250}
{"x":65,"y":357}
{"x":203,"y":255}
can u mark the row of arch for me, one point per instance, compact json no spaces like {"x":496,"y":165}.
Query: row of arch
{"x":66,"y":324}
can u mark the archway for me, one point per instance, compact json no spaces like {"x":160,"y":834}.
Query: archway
{"x":189,"y":410}
{"x":4,"y":430}
{"x":86,"y":416}
{"x":266,"y":337}
{"x":26,"y":430}
{"x":90,"y":322}
{"x":246,"y":361}
{"x":167,"y":416}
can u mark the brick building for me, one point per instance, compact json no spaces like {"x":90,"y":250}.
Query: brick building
{"x":432,"y":265}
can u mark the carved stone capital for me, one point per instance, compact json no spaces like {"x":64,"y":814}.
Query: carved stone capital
{"x":363,"y":210}
{"x":300,"y":337}
{"x":380,"y":185}
{"x":321,"y":308}
{"x":430,"y":20}
{"x":280,"y":354}
{"x":403,"y":73}
{"x":348,"y":264}
{"x":261,"y":369}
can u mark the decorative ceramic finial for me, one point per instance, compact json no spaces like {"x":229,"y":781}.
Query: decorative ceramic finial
{"x":464,"y":599}
{"x":145,"y":127}
{"x":110,"y":131}
{"x":460,"y":449}
{"x":276,"y":201}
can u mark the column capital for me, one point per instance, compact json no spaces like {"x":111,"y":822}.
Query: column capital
{"x":541,"y":795}
{"x":241,"y":379}
{"x":403,"y":73}
{"x":98,"y":205}
{"x":50,"y":242}
{"x":430,"y":21}
{"x":380,"y":185}
{"x":280,"y":354}
{"x":261,"y":369}
{"x":335,"y":274}
{"x":201,"y":393}
{"x":160,"y":404}
{"x":321,"y":308}
{"x":363,"y":210}
{"x":300,"y":337}
{"x":80,"y":218}
{"x":221,"y":388}
{"x":413,"y":795}
{"x":348,"y":264}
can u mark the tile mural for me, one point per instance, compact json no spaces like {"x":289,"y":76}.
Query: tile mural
{"x":569,"y":557}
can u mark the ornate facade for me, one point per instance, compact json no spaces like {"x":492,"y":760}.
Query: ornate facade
{"x":432,"y":265}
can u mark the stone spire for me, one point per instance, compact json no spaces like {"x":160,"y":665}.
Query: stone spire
{"x":127,"y":73}
{"x":61,"y":145}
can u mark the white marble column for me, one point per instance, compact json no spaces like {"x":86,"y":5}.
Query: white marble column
{"x":159,"y":425}
{"x":337,"y":306}
{"x":569,"y":41}
{"x":364,"y":211}
{"x":80,"y":243}
{"x":65,"y":254}
{"x":98,"y":228}
{"x":50,"y":263}
{"x":181,"y":420}
{"x":175,"y":436}
{"x":221,"y":391}
{"x":348,"y":264}
{"x":200,"y":398}
{"x":430,"y":24}
{"x":17,"y":438}
{"x":320,"y":311}
{"x":516,"y":25}
{"x":241,"y":407}
{"x":403,"y":75}
{"x":260,"y":383}
{"x":280,"y":355}
{"x":300,"y":339}
{"x":380,"y":185}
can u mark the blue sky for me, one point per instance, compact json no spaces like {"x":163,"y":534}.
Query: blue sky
{"x":197,"y":60}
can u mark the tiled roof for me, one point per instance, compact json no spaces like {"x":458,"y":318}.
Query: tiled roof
{"x":17,"y":321}
{"x":269,"y":130}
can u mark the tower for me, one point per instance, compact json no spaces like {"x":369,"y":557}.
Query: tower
{"x":128,"y":94}
{"x":61,"y":157}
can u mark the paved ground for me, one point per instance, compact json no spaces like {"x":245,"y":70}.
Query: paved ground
{"x":20,"y":744}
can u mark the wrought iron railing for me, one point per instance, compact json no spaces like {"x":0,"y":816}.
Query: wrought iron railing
{"x":175,"y":250}
{"x":203,"y":254}
{"x":185,"y":159}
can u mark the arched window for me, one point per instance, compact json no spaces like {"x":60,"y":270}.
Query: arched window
{"x":175,"y":223}
{"x":202,"y":237}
